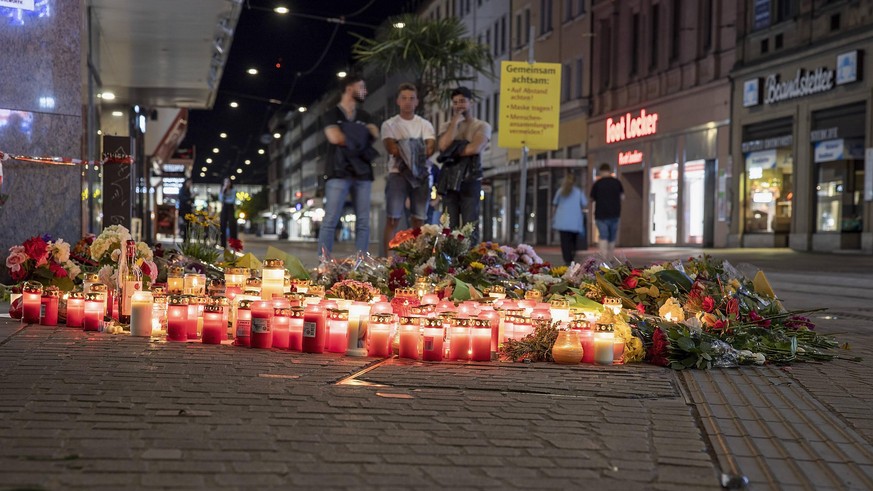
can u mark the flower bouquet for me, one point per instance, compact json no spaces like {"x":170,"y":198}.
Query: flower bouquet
{"x":106,"y":250}
{"x":43,"y":260}
{"x":202,"y":237}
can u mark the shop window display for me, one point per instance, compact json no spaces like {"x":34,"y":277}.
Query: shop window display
{"x":839,"y":189}
{"x":663,"y":202}
{"x":769,"y":191}
{"x":694,"y":197}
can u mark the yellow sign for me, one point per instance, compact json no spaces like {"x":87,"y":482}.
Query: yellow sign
{"x":530,"y":104}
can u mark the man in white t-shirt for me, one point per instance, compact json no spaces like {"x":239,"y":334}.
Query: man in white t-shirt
{"x":409,"y":140}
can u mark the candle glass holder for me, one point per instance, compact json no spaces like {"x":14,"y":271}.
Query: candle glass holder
{"x":379,"y":335}
{"x":75,"y":309}
{"x":141,"y":313}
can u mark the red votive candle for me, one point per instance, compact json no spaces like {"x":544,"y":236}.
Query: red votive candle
{"x":213,"y":324}
{"x":480,"y":343}
{"x":262,"y":324}
{"x":459,"y":339}
{"x":75,"y":309}
{"x":31,"y":302}
{"x":281,"y":326}
{"x":314,"y":320}
{"x":177,"y":318}
{"x":434,"y":334}
{"x":48,"y":307}
{"x":338,"y":329}
{"x":243,"y":324}
{"x":295,"y":329}
{"x":493,"y":318}
{"x":379,"y":335}
{"x":92,"y":319}
{"x":410,"y":337}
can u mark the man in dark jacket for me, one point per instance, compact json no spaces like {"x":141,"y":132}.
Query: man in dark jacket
{"x":350,"y":133}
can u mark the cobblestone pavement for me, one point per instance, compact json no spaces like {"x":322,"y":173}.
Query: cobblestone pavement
{"x":95,"y":411}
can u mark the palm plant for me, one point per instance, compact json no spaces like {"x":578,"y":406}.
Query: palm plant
{"x":437,"y":52}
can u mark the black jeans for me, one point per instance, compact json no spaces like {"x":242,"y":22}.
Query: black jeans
{"x":568,"y":246}
{"x":228,"y":220}
{"x":463,"y":207}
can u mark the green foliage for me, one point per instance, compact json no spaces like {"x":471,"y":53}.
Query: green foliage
{"x":536,"y":346}
{"x":440,"y":52}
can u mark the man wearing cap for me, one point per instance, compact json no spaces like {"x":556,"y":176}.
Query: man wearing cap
{"x":465,"y":137}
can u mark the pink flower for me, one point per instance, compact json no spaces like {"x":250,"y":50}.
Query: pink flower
{"x":16,"y":259}
{"x":630,"y":282}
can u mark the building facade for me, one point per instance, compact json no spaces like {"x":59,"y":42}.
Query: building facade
{"x":801,"y":116}
{"x":660,"y":115}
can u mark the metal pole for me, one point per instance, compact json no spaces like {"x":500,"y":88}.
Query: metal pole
{"x":522,"y":223}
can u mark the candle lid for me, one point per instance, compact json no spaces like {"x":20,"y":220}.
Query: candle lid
{"x":216,"y":309}
{"x":611,"y":302}
{"x":177,"y":300}
{"x":432,"y":322}
{"x":381,"y":318}
{"x":51,"y":291}
{"x":159,"y":290}
{"x":295,"y":296}
{"x":496,"y":289}
{"x":32,"y":287}
{"x":282,"y":312}
{"x":94,"y":297}
{"x":559,"y":303}
{"x":604,"y":327}
{"x":410,"y":320}
{"x":195,"y":300}
{"x":533,"y":295}
{"x":216,"y":283}
{"x":175,"y":271}
{"x":338,"y":314}
{"x":252,"y":281}
{"x":220,"y":301}
{"x":316,"y":291}
{"x":274,"y":264}
{"x":579,"y":324}
{"x":421,"y":310}
{"x":245,"y":304}
{"x":405,"y":292}
{"x":252,"y":293}
{"x":237,"y":271}
{"x":461,"y":321}
{"x":296,"y":312}
{"x":91,"y":277}
{"x":98,"y":287}
{"x":76,"y":295}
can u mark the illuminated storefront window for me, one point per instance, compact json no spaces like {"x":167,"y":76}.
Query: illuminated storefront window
{"x":770,"y":189}
{"x":663,"y":197}
{"x":839,"y":186}
{"x":694,"y":197}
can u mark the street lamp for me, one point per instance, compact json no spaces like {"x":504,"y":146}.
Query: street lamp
{"x":252,"y":71}
{"x":341,"y":74}
{"x":281,"y":10}
{"x":234,"y":104}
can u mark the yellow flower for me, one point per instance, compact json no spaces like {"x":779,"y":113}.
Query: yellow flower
{"x":559,"y":271}
{"x":633,"y":350}
{"x":477,"y":265}
{"x":672,"y":311}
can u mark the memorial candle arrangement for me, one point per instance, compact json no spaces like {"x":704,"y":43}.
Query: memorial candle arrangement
{"x":281,"y":327}
{"x":359,"y":320}
{"x":410,"y":337}
{"x":177,"y":318}
{"x":93,"y":313}
{"x":159,"y":309}
{"x":234,"y":281}
{"x":272,"y":278}
{"x":176,"y":280}
{"x":459,"y":339}
{"x":604,"y":340}
{"x":337,"y":326}
{"x":48,"y":307}
{"x":262,"y":324}
{"x":314,"y":321}
{"x":75,"y":309}
{"x":480,"y":341}
{"x":243,"y":335}
{"x":213,"y":324}
{"x":379,"y":335}
{"x":31,"y":301}
{"x":141,"y":313}
{"x":104,"y":295}
{"x":433,"y":337}
{"x":295,"y":329}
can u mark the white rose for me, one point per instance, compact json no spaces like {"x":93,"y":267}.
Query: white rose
{"x":143,"y":251}
{"x":115,"y":255}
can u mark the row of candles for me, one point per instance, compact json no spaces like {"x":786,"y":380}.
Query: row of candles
{"x":296,"y":316}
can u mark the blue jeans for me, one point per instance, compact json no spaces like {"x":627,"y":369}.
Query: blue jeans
{"x":463,"y":207}
{"x":607,"y":228}
{"x":398,"y":189}
{"x":335,"y":193}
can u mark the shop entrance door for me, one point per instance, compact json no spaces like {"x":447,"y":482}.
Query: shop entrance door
{"x":631,"y":226}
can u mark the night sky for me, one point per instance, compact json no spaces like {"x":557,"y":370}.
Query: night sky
{"x":279,"y":47}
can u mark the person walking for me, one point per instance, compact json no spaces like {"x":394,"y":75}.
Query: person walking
{"x":185,"y":205}
{"x":607,"y":195}
{"x":227,"y":198}
{"x":350,"y":133}
{"x":568,"y":212}
{"x":409,"y":140}
{"x":462,"y":141}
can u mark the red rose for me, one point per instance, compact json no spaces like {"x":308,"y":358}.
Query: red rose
{"x":235,"y":244}
{"x":57,"y":270}
{"x":460,"y":237}
{"x":641,"y":308}
{"x":36,"y":249}
{"x":19,"y":275}
{"x":708,"y":304}
{"x":720,"y":324}
{"x":416,"y":231}
{"x":630,"y":282}
{"x":660,"y":348}
{"x":636,"y":272}
{"x":146,"y":269}
{"x":447,"y":232}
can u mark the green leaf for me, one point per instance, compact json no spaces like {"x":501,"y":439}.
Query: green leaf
{"x":64,"y":284}
{"x":461,"y":291}
{"x":675,"y":277}
{"x":685,"y":343}
{"x":584,"y":302}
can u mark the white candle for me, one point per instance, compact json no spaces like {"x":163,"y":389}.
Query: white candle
{"x":142,"y":307}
